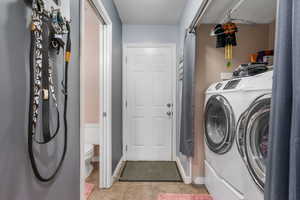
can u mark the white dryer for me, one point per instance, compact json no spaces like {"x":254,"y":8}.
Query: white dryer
{"x":225,"y":103}
{"x":253,"y":133}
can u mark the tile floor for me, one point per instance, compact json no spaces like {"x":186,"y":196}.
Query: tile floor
{"x":140,"y":190}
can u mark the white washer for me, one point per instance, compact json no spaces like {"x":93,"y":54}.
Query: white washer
{"x":252,"y":136}
{"x":225,"y":103}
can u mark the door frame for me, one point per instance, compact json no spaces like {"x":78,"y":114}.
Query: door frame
{"x":172,"y":46}
{"x":105,"y":72}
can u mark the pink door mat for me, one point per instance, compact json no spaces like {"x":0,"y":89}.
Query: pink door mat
{"x":184,"y":197}
{"x":88,"y":190}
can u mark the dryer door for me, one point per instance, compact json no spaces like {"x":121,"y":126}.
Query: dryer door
{"x":219,"y":124}
{"x":254,"y":140}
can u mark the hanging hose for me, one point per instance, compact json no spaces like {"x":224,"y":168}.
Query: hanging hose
{"x":41,"y":81}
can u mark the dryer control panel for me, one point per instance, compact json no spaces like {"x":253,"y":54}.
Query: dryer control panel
{"x":218,"y":86}
{"x":232,"y":84}
{"x":259,"y":82}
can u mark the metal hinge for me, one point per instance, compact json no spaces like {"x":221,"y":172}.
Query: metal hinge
{"x":104,"y":114}
{"x":126,"y":147}
{"x":126,"y":59}
{"x":126,"y":103}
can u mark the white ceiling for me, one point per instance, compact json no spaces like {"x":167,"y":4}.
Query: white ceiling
{"x":258,"y":11}
{"x":150,"y":12}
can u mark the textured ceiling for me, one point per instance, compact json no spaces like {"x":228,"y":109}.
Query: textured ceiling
{"x":150,"y":12}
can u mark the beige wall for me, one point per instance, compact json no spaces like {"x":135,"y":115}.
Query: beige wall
{"x":210,"y":63}
{"x":272,"y":30}
{"x":91,"y":64}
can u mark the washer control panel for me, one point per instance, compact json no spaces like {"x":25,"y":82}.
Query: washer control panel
{"x":232,"y":84}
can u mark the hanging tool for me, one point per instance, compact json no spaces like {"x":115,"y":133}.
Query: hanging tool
{"x":226,"y":38}
{"x":57,"y":2}
{"x":47,"y":31}
{"x":220,"y":33}
{"x":230,"y":30}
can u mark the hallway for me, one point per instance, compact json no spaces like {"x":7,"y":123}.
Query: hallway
{"x":149,"y":100}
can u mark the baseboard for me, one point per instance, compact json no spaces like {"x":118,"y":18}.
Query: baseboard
{"x":186,"y":179}
{"x":115,"y":176}
{"x":199,"y":180}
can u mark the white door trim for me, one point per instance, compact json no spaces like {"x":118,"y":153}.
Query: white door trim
{"x":105,"y":98}
{"x":172,"y":46}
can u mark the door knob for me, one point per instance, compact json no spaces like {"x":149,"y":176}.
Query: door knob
{"x":169,"y":105}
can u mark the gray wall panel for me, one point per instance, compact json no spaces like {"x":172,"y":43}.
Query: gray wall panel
{"x":17,"y":181}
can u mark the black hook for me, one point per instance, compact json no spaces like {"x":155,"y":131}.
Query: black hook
{"x":57,"y":2}
{"x":29,"y":2}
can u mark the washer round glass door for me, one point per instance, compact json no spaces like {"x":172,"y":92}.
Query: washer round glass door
{"x":256,"y":139}
{"x":219,"y":124}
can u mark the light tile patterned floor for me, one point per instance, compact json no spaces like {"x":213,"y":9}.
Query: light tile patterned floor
{"x":140,"y":190}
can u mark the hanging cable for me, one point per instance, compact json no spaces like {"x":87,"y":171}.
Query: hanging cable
{"x":47,"y":31}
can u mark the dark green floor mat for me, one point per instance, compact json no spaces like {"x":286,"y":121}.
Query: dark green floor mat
{"x":150,"y":171}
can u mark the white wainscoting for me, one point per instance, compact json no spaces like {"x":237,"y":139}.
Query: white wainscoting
{"x":92,"y":134}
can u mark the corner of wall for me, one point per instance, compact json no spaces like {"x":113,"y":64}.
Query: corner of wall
{"x":187,"y":178}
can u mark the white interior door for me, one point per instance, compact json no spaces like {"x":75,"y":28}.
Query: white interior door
{"x":149,"y":103}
